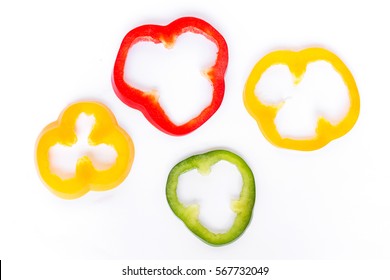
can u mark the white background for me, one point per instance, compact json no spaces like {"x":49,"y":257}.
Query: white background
{"x":328,"y":204}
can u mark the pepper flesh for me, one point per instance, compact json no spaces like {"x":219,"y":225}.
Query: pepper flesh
{"x":189,"y":215}
{"x":105,"y":131}
{"x":297,"y":61}
{"x":148,"y":103}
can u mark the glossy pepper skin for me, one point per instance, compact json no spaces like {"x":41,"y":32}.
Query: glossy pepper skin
{"x":189,"y":215}
{"x":105,"y":131}
{"x":297,"y":61}
{"x":148,"y":104}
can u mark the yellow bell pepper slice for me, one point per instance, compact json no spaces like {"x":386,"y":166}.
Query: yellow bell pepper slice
{"x":297,"y":61}
{"x":105,"y":131}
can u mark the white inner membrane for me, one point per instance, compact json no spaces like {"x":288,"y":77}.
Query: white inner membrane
{"x":176,"y":75}
{"x":63,"y":159}
{"x":320,"y":93}
{"x":213,"y":193}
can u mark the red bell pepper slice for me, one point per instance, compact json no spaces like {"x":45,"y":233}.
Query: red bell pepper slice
{"x":148,"y":104}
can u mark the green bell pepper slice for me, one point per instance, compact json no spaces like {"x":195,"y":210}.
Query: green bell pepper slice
{"x":190,"y":214}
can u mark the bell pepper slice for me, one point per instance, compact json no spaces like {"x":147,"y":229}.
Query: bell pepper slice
{"x":297,"y":61}
{"x":148,"y":103}
{"x":189,"y":214}
{"x":105,"y":131}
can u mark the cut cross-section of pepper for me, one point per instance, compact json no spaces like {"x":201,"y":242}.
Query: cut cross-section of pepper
{"x":297,"y":61}
{"x":148,"y":104}
{"x":190,"y":214}
{"x":87,"y":177}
